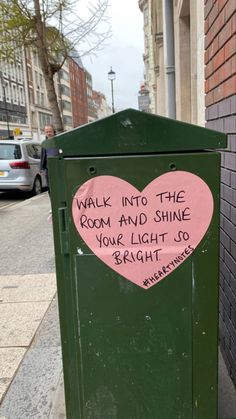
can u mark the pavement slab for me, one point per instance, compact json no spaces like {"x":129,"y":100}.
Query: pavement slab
{"x":24,"y":301}
{"x":22,"y":288}
{"x":10,"y":359}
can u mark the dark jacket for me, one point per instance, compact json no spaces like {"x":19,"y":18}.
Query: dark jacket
{"x":44,"y":160}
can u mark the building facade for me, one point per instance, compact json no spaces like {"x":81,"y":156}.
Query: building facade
{"x":177,"y":31}
{"x":24,"y":105}
{"x":100,"y":102}
{"x":220,"y":88}
{"x":39,"y":113}
{"x":13,"y":105}
{"x":63,"y":89}
{"x":148,"y":56}
{"x":92,"y":111}
{"x":194,"y":50}
{"x":78,"y":92}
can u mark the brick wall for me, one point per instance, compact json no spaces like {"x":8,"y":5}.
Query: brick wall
{"x":220,"y":102}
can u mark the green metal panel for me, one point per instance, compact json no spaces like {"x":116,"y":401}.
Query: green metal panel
{"x":132,"y":132}
{"x":130,"y":353}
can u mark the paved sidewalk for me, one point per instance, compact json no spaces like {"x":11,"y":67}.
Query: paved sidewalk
{"x":24,"y":301}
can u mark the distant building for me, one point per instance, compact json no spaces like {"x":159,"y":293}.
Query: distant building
{"x":13,"y":106}
{"x":62,"y":81}
{"x":39,"y":113}
{"x":101,"y":105}
{"x":78,"y":92}
{"x":148,"y":56}
{"x":92,"y":112}
{"x":144,"y":99}
{"x":24,"y":105}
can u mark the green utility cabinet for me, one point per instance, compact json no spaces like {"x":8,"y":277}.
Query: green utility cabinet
{"x":135,"y":203}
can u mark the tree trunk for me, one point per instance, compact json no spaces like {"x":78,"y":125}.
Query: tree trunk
{"x":47,"y":68}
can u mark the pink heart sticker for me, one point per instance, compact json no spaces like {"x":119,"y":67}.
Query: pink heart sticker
{"x":144,"y":236}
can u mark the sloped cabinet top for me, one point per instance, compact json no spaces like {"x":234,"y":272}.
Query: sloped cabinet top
{"x":134,"y":132}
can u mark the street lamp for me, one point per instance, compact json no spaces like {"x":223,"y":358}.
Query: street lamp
{"x":112,"y":76}
{"x":4,"y":84}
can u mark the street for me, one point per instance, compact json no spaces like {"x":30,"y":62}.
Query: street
{"x":11,"y":198}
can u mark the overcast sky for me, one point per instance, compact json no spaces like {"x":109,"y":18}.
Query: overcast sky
{"x":123,"y":52}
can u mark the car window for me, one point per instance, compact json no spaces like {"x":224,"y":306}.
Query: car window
{"x":10,"y":152}
{"x":37,"y":149}
{"x":33,"y":151}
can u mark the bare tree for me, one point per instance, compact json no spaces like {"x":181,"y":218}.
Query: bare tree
{"x":55,"y":29}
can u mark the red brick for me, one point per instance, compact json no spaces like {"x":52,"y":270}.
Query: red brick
{"x":218,"y":93}
{"x":219,"y":22}
{"x":233,"y":23}
{"x":213,"y":14}
{"x":226,"y":32}
{"x":230,"y":47}
{"x":206,"y":57}
{"x":209,"y":99}
{"x":208,"y":7}
{"x":219,"y":59}
{"x":217,"y":26}
{"x":230,"y":86}
{"x":213,"y":48}
{"x":233,"y":64}
{"x":208,"y":38}
{"x":209,"y":69}
{"x":225,"y":71}
{"x":222,"y":3}
{"x":229,"y":9}
{"x":206,"y":25}
{"x":214,"y":81}
{"x":221,"y":75}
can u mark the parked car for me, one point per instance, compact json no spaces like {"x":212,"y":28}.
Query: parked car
{"x":20,"y":166}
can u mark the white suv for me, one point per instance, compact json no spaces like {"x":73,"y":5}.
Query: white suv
{"x":20,"y":166}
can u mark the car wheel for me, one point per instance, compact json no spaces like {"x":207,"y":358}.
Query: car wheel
{"x":37,"y":188}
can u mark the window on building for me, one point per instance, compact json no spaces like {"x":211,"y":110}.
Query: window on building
{"x":40,"y":80}
{"x":67,"y":120}
{"x":36,"y":78}
{"x":14,"y":94}
{"x":42,"y":99}
{"x":22,"y":96}
{"x":12,"y":71}
{"x":65,"y":90}
{"x":44,"y":119}
{"x":29,"y":73}
{"x":37,"y":97}
{"x":20,"y":73}
{"x":31,"y":95}
{"x":64,"y":75}
{"x":8,"y":92}
{"x":66,"y":105}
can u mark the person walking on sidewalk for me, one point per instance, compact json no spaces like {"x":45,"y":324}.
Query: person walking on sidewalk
{"x":49,"y":132}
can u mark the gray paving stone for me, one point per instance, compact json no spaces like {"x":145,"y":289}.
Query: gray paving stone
{"x":33,"y":389}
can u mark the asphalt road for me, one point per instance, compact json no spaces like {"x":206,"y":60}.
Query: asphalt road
{"x":11,"y":198}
